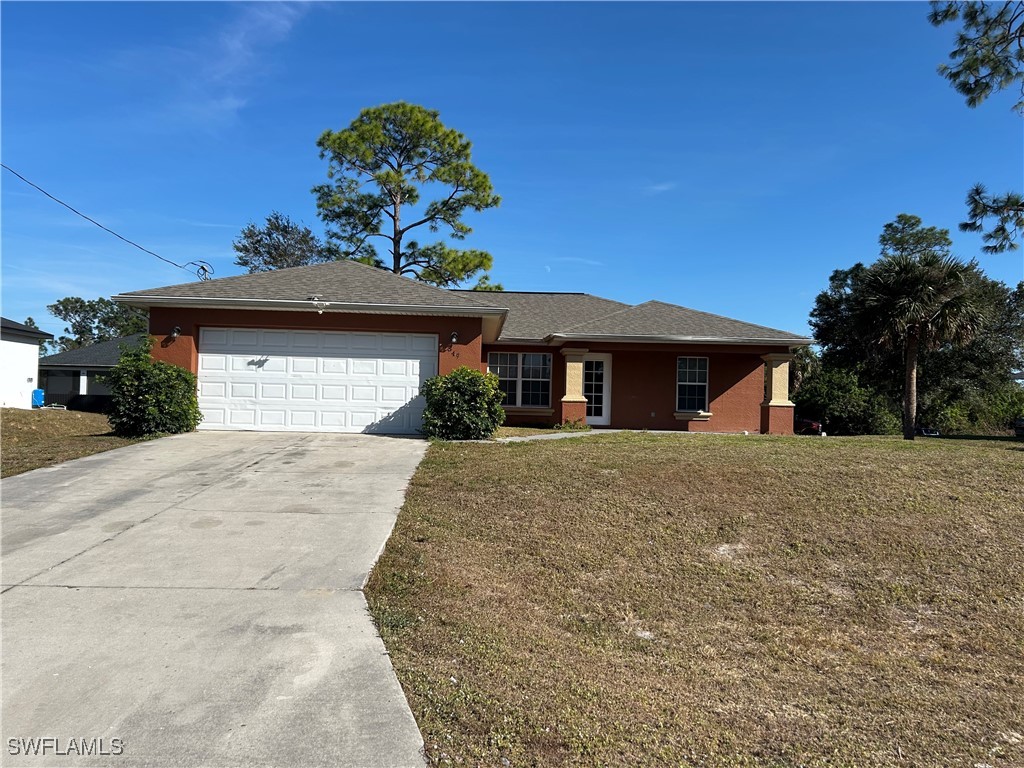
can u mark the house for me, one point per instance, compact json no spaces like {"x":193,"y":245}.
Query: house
{"x":344,"y":347}
{"x":19,"y":361}
{"x":74,"y":378}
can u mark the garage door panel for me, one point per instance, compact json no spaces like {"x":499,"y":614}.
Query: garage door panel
{"x":303,"y":364}
{"x":423,"y":344}
{"x":394,"y":395}
{"x":335,"y":381}
{"x":245,"y":389}
{"x":276,"y":339}
{"x":302,"y":391}
{"x":242,"y":418}
{"x":334,"y":393}
{"x":335,"y":366}
{"x":272,"y":418}
{"x":211,"y":389}
{"x":306,"y":339}
{"x":336,"y":342}
{"x":213,"y":363}
{"x":333,"y":419}
{"x":245,"y":338}
{"x":365,"y":342}
{"x":361,"y":367}
{"x":364,"y":393}
{"x":273,"y":391}
{"x":299,"y":418}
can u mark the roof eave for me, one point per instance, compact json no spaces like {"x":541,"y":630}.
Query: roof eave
{"x":9,"y":334}
{"x":796,"y":341}
{"x":139,"y":300}
{"x":493,"y":317}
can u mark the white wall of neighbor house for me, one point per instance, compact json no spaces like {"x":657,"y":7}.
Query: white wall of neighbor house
{"x":19,"y":373}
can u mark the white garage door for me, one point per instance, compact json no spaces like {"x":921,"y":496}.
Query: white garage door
{"x":313,"y":381}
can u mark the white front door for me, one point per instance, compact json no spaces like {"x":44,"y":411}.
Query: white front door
{"x":313,"y":381}
{"x":597,"y":388}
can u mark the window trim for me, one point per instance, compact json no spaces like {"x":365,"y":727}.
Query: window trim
{"x":519,"y":379}
{"x":701,"y":414}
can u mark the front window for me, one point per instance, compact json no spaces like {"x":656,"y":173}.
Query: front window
{"x":524,"y":377}
{"x":692,"y":384}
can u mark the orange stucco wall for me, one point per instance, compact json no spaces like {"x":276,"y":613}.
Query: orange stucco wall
{"x":644,"y":386}
{"x":643,"y":376}
{"x":184,"y":350}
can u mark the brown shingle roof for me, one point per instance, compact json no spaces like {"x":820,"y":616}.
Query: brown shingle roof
{"x":532,"y":316}
{"x":656,"y":318}
{"x":337,"y":281}
{"x":536,"y":315}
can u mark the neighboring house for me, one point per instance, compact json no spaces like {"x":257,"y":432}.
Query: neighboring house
{"x":75,"y":378}
{"x":344,"y":347}
{"x":19,"y":361}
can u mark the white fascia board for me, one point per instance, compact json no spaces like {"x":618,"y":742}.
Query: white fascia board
{"x":304,"y":304}
{"x":797,"y":341}
{"x":493,"y":317}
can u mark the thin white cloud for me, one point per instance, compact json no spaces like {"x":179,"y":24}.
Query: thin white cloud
{"x":207,"y":81}
{"x":660,"y":187}
{"x":200,"y":224}
{"x":579,"y":260}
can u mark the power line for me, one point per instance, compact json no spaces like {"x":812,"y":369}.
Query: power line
{"x":201,"y":269}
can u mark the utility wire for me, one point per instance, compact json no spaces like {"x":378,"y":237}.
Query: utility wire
{"x":201,"y":269}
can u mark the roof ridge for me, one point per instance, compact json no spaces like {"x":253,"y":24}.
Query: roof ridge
{"x":334,"y":271}
{"x":533,"y":293}
{"x":626,"y":308}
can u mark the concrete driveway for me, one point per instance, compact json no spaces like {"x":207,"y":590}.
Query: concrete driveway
{"x":198,"y":598}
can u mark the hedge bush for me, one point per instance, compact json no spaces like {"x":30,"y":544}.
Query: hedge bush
{"x":150,"y":397}
{"x":836,"y":397}
{"x":463,"y":405}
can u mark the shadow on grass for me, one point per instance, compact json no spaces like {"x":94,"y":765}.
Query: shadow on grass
{"x":992,"y":438}
{"x":1014,"y":443}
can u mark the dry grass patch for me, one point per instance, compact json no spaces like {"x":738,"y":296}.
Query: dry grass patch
{"x":40,"y":438}
{"x":637,"y":599}
{"x":523,"y":431}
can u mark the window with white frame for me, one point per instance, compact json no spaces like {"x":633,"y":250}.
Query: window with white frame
{"x":692,"y":384}
{"x":524,"y":377}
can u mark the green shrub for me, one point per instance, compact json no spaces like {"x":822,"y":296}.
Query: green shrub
{"x":836,"y":398}
{"x":149,"y":397}
{"x":975,"y":411}
{"x":573,"y":425}
{"x":464,"y":405}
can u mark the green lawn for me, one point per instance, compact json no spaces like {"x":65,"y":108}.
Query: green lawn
{"x":637,"y":599}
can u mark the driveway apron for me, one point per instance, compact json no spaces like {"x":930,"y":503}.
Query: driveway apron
{"x":196,"y":601}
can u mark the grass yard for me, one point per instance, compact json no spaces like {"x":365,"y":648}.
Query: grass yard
{"x":40,"y":438}
{"x":700,"y":600}
{"x":523,"y":431}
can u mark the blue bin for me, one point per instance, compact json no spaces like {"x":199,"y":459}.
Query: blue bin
{"x":38,"y":398}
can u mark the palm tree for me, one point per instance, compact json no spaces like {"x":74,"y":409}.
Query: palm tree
{"x":920,"y":301}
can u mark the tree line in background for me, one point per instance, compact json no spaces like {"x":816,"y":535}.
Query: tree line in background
{"x":916,"y":338}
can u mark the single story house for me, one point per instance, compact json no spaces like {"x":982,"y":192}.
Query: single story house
{"x":19,"y":362}
{"x":75,"y":378}
{"x":344,"y":347}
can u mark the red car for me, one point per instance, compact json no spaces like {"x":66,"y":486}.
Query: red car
{"x":807,"y":427}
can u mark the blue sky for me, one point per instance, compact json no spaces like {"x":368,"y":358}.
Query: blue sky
{"x":725,"y":157}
